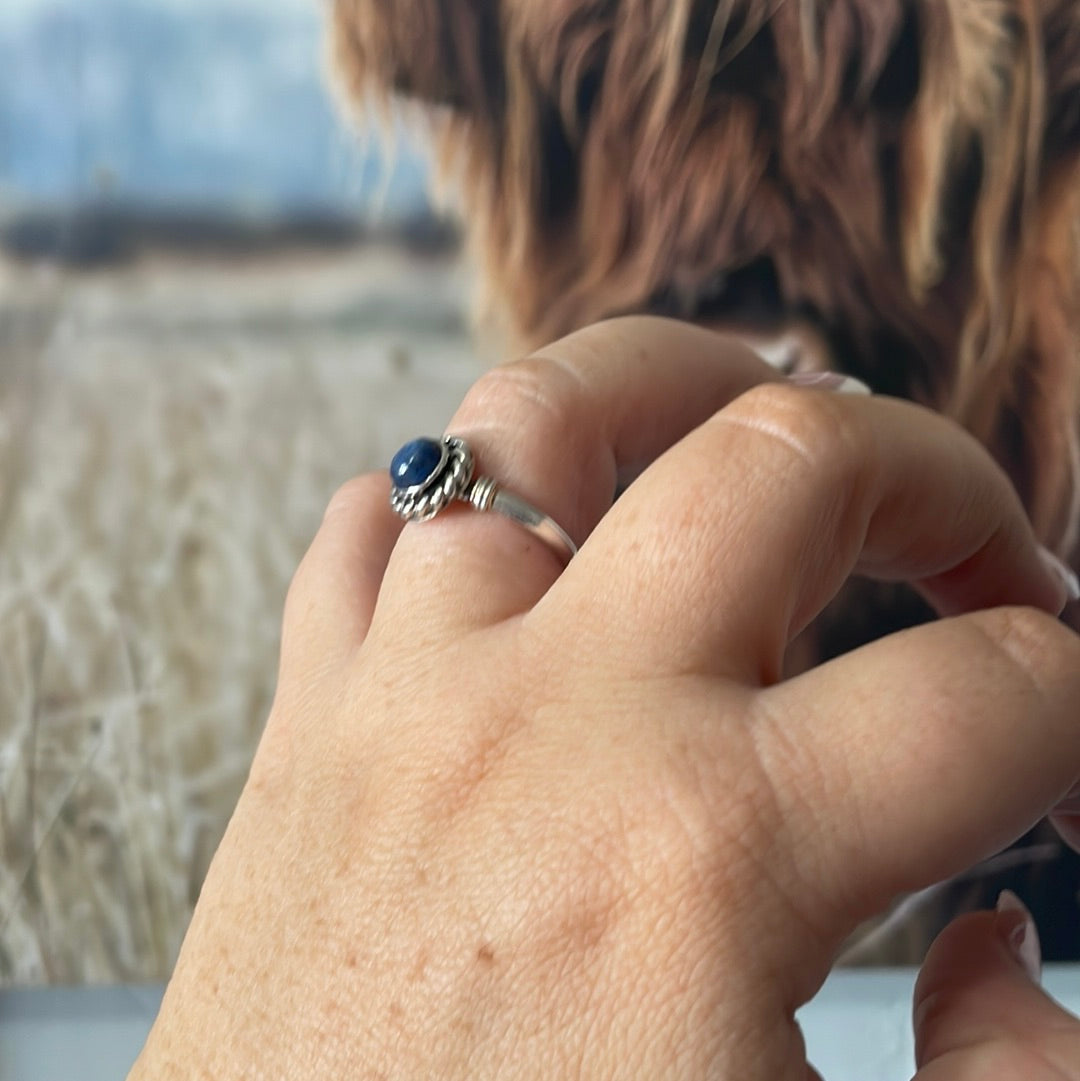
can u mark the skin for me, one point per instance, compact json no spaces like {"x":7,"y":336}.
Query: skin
{"x":511,"y":820}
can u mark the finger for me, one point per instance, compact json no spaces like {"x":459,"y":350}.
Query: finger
{"x":748,"y":527}
{"x":922,"y":753}
{"x":332,"y":596}
{"x":559,"y":429}
{"x":979,"y":1012}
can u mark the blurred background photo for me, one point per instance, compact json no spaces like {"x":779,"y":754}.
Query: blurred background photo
{"x":217,"y":302}
{"x":220,"y":298}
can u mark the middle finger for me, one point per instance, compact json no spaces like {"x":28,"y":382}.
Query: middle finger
{"x":739,"y":536}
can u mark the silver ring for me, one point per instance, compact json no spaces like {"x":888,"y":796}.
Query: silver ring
{"x":429,"y":475}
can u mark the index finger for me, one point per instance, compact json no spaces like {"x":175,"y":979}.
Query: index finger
{"x":912,"y":758}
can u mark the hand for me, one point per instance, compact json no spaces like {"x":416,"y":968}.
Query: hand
{"x":510,"y":820}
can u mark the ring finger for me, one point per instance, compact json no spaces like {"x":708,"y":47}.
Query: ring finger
{"x":559,"y":429}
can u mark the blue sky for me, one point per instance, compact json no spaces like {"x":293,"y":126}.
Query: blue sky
{"x":192,"y":103}
{"x":14,"y":10}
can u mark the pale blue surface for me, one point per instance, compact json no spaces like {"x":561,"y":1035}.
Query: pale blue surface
{"x":857,"y":1029}
{"x":150,"y":103}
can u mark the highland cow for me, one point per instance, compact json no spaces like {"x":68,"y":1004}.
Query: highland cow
{"x":899,"y":179}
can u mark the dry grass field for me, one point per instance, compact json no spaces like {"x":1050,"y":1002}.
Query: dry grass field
{"x":169,"y":434}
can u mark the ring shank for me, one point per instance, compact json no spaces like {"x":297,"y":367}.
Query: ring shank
{"x":540,"y":525}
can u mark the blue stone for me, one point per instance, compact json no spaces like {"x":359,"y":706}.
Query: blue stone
{"x":416,"y":463}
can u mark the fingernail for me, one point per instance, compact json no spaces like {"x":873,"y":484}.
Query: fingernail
{"x":1017,"y":930}
{"x":834,"y":381}
{"x":1064,"y":574}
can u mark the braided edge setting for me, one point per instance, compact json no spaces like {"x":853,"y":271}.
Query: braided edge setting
{"x":450,"y":483}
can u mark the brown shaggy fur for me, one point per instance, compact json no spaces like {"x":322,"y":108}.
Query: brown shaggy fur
{"x":905,"y":174}
{"x":901,"y":175}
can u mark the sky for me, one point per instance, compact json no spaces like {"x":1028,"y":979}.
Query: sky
{"x":183,"y":103}
{"x":15,"y":10}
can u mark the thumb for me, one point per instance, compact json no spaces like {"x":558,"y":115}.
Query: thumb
{"x":979,"y":1009}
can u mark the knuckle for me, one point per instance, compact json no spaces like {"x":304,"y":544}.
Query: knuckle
{"x":680,"y":840}
{"x":357,"y":492}
{"x":541,"y":386}
{"x":821,"y":432}
{"x":1038,"y":646}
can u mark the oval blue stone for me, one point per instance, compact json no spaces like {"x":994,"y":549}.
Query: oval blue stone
{"x":416,"y":463}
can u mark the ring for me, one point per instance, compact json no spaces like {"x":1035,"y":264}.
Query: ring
{"x":429,"y":475}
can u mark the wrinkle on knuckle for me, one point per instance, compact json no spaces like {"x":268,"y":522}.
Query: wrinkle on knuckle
{"x":688,"y":843}
{"x":793,"y":773}
{"x":1033,"y":643}
{"x":595,"y":341}
{"x":540,"y":388}
{"x":820,"y":436}
{"x":785,"y":775}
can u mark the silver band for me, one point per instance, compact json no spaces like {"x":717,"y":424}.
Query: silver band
{"x":428,"y":476}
